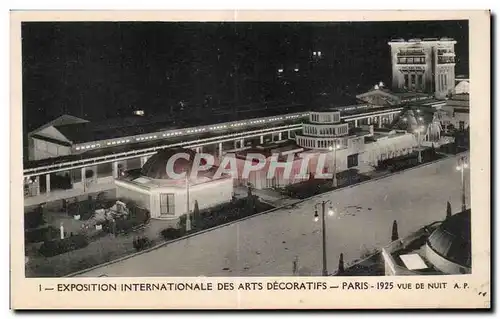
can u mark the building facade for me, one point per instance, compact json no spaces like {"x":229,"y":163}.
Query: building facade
{"x":167,"y":198}
{"x":426,"y":65}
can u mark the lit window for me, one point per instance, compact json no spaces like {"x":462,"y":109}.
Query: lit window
{"x":77,"y":148}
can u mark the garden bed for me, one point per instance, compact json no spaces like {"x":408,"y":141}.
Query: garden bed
{"x":218,"y":215}
{"x":41,"y":234}
{"x":314,"y":187}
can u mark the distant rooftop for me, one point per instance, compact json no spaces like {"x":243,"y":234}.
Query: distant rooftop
{"x":417,"y":40}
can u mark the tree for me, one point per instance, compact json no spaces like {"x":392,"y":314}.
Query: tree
{"x":196,"y":212}
{"x":395,"y":235}
{"x":448,"y":209}
{"x":341,"y":269}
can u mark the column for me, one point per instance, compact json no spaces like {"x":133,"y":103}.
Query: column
{"x":47,"y":183}
{"x":416,"y":82}
{"x":369,"y":120}
{"x":242,"y":143}
{"x":355,"y":123}
{"x":262,"y":139}
{"x":279,"y":136}
{"x":115,"y":169}
{"x":143,"y":160}
{"x":220,"y":151}
{"x":37,"y":183}
{"x":380,"y":121}
{"x":84,"y":179}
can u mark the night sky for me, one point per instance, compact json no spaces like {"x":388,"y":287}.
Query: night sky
{"x":102,"y":70}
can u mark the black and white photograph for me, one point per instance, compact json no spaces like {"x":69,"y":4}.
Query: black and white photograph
{"x":246,"y":149}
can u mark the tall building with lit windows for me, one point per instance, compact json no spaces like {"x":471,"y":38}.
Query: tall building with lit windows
{"x":424,"y":65}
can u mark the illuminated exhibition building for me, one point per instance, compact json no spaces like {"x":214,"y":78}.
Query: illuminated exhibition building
{"x":70,"y":156}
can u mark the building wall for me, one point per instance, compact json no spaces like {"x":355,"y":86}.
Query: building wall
{"x":443,"y":264}
{"x":43,"y":149}
{"x":385,"y":148}
{"x":140,"y":197}
{"x":208,"y":195}
{"x":438,"y":71}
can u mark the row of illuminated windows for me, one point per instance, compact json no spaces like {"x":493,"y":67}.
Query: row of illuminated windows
{"x":412,"y":60}
{"x":313,"y":143}
{"x":87,"y":147}
{"x":446,"y":59}
{"x":328,"y":131}
{"x":189,"y":131}
{"x":330,"y":117}
{"x":414,"y":81}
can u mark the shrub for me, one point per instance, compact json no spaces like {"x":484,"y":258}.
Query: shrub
{"x":41,"y":234}
{"x":56,"y":247}
{"x":85,"y":209}
{"x":139,"y":215}
{"x":172,"y":233}
{"x":34,"y":218}
{"x":125,"y":225}
{"x":142,"y":243}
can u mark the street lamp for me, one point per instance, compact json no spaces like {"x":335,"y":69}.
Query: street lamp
{"x":331,"y":212}
{"x":188,"y":213}
{"x":462,"y":165}
{"x":419,"y":130}
{"x":334,"y":149}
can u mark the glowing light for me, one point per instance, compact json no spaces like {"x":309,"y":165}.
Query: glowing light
{"x":331,"y":212}
{"x":280,"y":70}
{"x":319,"y":53}
{"x":296,"y":70}
{"x":459,"y":168}
{"x":316,"y":216}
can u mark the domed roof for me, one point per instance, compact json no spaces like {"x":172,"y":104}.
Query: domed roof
{"x":156,"y":165}
{"x":451,"y":240}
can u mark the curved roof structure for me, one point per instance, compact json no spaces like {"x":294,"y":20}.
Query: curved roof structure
{"x":156,"y":165}
{"x":452,"y":239}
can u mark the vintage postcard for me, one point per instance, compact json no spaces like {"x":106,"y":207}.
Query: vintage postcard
{"x":250,"y":159}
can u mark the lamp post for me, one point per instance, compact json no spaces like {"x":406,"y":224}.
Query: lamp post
{"x":334,"y":149}
{"x":462,"y":165}
{"x":323,"y":229}
{"x":188,"y":217}
{"x":419,"y":131}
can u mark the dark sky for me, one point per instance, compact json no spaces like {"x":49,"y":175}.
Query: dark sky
{"x":102,"y":70}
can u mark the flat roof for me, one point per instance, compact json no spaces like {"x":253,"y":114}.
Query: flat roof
{"x":137,"y":125}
